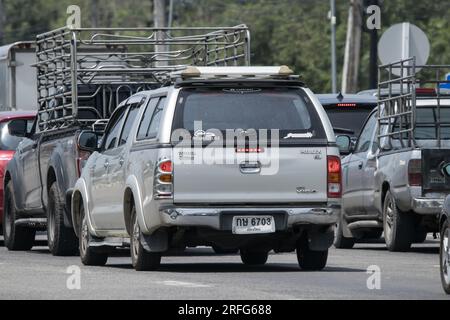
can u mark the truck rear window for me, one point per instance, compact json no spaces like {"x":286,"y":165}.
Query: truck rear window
{"x":288,"y":110}
{"x":426,"y":128}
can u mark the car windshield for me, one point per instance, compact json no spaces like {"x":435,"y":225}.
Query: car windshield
{"x":8,"y":141}
{"x":288,"y":110}
{"x":348,"y":118}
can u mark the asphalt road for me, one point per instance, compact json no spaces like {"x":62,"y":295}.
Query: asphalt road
{"x":200,"y":274}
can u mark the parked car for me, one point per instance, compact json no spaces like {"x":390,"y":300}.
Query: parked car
{"x":10,"y":122}
{"x":393,"y":180}
{"x":81,"y":94}
{"x":144,"y":185}
{"x":347,"y":112}
{"x":444,"y":252}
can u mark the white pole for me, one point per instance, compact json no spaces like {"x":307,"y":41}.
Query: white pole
{"x":333,"y":46}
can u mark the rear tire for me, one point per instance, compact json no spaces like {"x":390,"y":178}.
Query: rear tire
{"x":88,"y":255}
{"x":309,"y":260}
{"x":398,"y":226}
{"x":254,"y":258}
{"x":140,"y":258}
{"x":444,"y":254}
{"x":16,"y":238}
{"x":62,"y":241}
{"x":340,"y":241}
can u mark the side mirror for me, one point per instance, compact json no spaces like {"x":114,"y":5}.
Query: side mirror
{"x":18,"y":128}
{"x":446,"y":169}
{"x":344,"y":144}
{"x":88,"y":141}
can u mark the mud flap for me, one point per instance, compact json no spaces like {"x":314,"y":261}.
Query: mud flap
{"x":156,"y":242}
{"x":320,"y":240}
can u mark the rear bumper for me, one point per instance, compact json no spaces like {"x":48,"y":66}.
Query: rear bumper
{"x":220,"y":218}
{"x":427,"y":206}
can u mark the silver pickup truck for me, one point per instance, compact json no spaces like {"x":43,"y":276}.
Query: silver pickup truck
{"x":393,"y":179}
{"x":241,"y":158}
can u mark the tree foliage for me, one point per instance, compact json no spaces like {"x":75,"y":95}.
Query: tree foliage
{"x":291,"y":32}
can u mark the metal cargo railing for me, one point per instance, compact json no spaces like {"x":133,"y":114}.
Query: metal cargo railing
{"x":83,"y":74}
{"x":398,"y":96}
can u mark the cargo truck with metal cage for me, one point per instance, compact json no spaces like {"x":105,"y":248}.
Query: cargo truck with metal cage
{"x":82,"y":76}
{"x":393,"y":179}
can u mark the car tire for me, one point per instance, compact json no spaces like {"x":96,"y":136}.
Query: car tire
{"x":88,"y":255}
{"x":444,"y":257}
{"x":141,"y":259}
{"x":340,"y":241}
{"x":219,"y":250}
{"x":310,"y":260}
{"x":62,"y":241}
{"x":16,"y":238}
{"x":398,"y":226}
{"x":254,"y":258}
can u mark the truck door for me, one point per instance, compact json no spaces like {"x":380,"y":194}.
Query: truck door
{"x":354,"y":171}
{"x":117,"y":167}
{"x":31,"y":181}
{"x":102,"y":201}
{"x":370,"y":167}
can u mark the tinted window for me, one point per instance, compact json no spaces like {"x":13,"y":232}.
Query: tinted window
{"x":8,"y":141}
{"x":426,"y":128}
{"x":348,"y":118}
{"x":426,"y":123}
{"x":147,"y":118}
{"x":365,"y":138}
{"x":287,"y":110}
{"x":152,"y":131}
{"x":114,"y":129}
{"x":134,"y":109}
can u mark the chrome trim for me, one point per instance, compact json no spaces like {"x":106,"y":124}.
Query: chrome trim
{"x":427,"y":205}
{"x":210,"y":217}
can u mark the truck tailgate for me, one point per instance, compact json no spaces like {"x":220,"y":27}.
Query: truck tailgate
{"x":296,"y":175}
{"x":433,"y":178}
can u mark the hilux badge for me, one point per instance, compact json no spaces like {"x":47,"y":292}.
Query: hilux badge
{"x":303,"y":190}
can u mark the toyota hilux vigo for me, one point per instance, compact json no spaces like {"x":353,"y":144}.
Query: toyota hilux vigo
{"x":240,"y":158}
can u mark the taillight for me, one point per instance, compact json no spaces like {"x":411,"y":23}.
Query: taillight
{"x":82,"y":158}
{"x":163,"y":182}
{"x":334,"y":183}
{"x":415,"y":173}
{"x":426,"y":92}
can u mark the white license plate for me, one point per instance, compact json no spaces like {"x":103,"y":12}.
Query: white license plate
{"x":253,"y":224}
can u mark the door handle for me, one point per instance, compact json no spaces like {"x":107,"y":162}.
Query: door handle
{"x":106,"y":164}
{"x":360,"y":165}
{"x":250,"y":167}
{"x":121,"y":161}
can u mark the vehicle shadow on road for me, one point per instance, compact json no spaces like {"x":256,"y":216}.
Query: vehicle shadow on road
{"x":424,"y":250}
{"x":232,"y":268}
